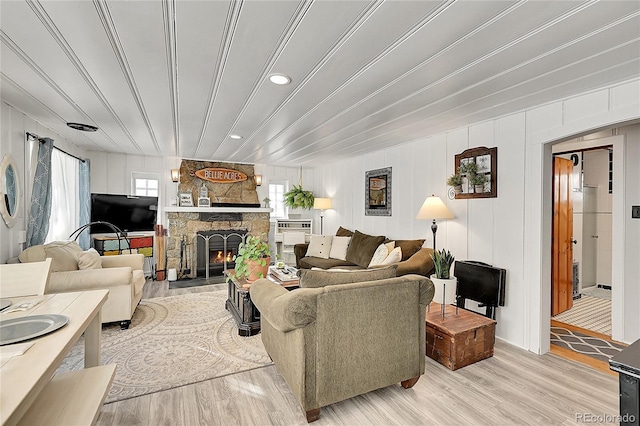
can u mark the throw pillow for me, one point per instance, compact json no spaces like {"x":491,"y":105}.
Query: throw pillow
{"x":409,"y":247}
{"x":362,"y":247}
{"x":320,"y":246}
{"x":379,"y":255}
{"x":339,"y":246}
{"x":395,"y":256}
{"x":89,"y":259}
{"x":390,"y":245}
{"x":343,"y":232}
{"x":313,"y":279}
{"x":63,"y":255}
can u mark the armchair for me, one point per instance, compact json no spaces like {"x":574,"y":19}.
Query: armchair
{"x":335,"y":342}
{"x":75,"y":270}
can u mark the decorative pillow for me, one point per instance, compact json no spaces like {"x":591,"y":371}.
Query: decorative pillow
{"x":339,"y":246}
{"x":63,"y":255}
{"x":395,"y":256}
{"x":409,"y":247}
{"x":320,"y":246}
{"x":343,"y":232}
{"x":379,"y":255}
{"x":312,"y":279}
{"x":89,"y":259}
{"x":362,"y":247}
{"x":390,"y":245}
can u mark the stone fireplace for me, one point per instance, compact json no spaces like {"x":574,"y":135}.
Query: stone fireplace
{"x":234,"y":210}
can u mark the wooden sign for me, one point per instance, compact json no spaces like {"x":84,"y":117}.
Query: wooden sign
{"x":220,"y":175}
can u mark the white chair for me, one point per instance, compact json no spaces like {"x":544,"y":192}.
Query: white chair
{"x":24,"y":279}
{"x":289,"y":240}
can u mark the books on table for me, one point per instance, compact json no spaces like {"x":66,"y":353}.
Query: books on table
{"x":285,"y":274}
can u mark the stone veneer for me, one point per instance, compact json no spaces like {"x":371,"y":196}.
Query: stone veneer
{"x":187,"y":224}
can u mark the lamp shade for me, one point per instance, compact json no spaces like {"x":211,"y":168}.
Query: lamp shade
{"x":175,"y":175}
{"x":434,"y":208}
{"x":322,"y":203}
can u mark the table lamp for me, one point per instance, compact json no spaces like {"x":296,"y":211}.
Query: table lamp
{"x":434,"y":208}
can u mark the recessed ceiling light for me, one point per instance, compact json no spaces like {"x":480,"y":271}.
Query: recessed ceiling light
{"x":235,"y":136}
{"x":280,"y":79}
{"x":82,"y":127}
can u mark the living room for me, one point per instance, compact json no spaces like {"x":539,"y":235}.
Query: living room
{"x":511,"y":231}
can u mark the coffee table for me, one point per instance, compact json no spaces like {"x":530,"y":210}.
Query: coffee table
{"x":239,"y":303}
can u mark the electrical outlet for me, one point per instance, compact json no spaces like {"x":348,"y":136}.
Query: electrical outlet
{"x":635,"y":212}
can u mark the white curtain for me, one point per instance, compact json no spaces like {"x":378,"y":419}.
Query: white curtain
{"x":65,"y":195}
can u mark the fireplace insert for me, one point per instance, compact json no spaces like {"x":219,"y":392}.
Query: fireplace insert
{"x":222,"y":247}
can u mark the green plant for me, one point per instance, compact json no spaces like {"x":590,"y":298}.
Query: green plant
{"x":253,"y":248}
{"x":454,"y":180}
{"x":442,"y":260}
{"x":479,"y":179}
{"x":298,"y":198}
{"x":469,"y":168}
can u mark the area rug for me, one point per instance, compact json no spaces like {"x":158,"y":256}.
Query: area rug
{"x":584,"y":344}
{"x":173,"y":341}
{"x":589,"y":312}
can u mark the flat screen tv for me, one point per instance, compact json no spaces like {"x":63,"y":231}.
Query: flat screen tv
{"x":130,"y":213}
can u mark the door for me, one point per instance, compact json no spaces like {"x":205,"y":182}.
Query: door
{"x":562,"y":238}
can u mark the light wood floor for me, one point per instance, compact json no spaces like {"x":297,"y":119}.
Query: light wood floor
{"x":513,"y":387}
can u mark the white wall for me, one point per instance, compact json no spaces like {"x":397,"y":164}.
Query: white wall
{"x":512,"y":231}
{"x":13,"y":127}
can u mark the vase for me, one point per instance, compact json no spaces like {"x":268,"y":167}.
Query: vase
{"x":446,"y":287}
{"x":256,"y":270}
{"x":457,"y":189}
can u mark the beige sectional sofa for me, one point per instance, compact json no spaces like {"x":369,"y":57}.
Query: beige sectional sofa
{"x":343,"y":334}
{"x":73,"y":269}
{"x":361,"y":248}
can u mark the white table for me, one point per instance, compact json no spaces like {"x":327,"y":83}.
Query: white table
{"x":24,"y":377}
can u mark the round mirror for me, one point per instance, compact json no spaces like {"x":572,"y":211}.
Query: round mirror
{"x":10,"y":190}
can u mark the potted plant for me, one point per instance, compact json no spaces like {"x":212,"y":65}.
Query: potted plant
{"x":444,"y":283}
{"x":455,"y":180}
{"x":298,"y":198}
{"x":478,"y":180}
{"x":266,"y":201}
{"x":252,"y":260}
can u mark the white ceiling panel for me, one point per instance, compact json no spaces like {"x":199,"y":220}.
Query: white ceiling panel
{"x":167,"y":77}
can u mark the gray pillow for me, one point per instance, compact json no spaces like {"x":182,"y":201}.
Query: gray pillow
{"x":313,"y":278}
{"x":362,"y":247}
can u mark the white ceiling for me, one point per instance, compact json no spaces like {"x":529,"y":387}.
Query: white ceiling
{"x":176,"y":78}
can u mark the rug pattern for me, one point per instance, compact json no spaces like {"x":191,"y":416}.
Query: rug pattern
{"x":584,"y":344}
{"x":173,"y":341}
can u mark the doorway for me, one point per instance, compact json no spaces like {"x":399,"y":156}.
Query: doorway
{"x":582,"y":256}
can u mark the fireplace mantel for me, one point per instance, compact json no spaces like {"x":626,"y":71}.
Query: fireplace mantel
{"x":174,"y":209}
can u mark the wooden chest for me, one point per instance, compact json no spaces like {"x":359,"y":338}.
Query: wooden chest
{"x":458,"y":340}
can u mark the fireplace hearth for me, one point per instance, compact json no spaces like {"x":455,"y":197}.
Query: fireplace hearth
{"x":217,"y":249}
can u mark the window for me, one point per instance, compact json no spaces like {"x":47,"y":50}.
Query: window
{"x":276,"y":195}
{"x":64,"y":197}
{"x":144,"y":184}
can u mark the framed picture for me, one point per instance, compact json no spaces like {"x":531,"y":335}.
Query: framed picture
{"x":378,"y":192}
{"x":485,"y":165}
{"x":186,"y":200}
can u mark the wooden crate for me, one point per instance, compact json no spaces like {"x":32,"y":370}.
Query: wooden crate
{"x":458,"y":340}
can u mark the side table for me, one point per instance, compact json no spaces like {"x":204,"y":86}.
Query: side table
{"x":458,"y":339}
{"x":239,"y":303}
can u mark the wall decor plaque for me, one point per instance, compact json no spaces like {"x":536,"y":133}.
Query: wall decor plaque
{"x":220,"y":175}
{"x":378,"y":192}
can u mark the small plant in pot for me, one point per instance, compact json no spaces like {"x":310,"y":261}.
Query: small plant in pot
{"x":442,"y":261}
{"x":455,"y":181}
{"x":252,"y":260}
{"x":478,"y":180}
{"x":445,"y":284}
